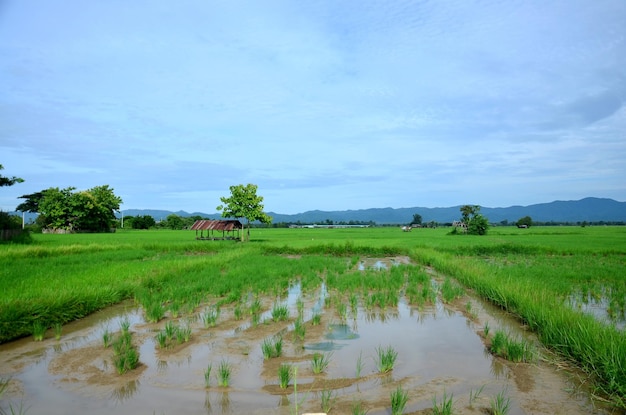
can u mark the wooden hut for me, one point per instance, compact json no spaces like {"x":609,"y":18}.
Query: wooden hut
{"x":229,"y":228}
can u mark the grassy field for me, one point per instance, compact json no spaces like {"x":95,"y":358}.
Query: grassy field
{"x":544,"y":275}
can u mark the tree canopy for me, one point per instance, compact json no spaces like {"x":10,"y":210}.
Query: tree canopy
{"x":476,"y":223}
{"x":9,"y":181}
{"x":524,"y":222}
{"x":86,"y":210}
{"x":244,"y":203}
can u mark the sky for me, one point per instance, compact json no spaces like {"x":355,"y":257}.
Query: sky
{"x":323,"y":104}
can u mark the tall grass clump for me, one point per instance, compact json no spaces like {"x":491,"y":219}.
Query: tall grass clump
{"x":399,"y":399}
{"x":386,"y":359}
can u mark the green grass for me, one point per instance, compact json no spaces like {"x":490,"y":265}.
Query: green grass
{"x":542,"y":275}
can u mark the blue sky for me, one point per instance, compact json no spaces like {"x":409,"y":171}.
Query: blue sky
{"x":329,"y":105}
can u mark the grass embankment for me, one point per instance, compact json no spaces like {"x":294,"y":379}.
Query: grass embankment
{"x":532,"y":273}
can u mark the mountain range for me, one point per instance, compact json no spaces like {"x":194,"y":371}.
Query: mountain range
{"x":590,"y":209}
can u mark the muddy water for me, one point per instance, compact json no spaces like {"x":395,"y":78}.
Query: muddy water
{"x":440,"y":349}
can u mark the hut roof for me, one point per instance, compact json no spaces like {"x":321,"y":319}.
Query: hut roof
{"x":217,"y":225}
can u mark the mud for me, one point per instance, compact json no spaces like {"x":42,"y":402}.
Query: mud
{"x":441,"y":349}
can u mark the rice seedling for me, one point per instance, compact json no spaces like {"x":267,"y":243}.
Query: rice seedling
{"x":272,"y":347}
{"x":354,"y":303}
{"x":445,"y":407}
{"x":284,"y":375}
{"x":280,"y":312}
{"x":184,"y":333}
{"x":514,"y":350}
{"x":238,"y":312}
{"x":170,"y":330}
{"x":126,"y":356}
{"x":299,"y":329}
{"x":154,"y":312}
{"x":316,"y":320}
{"x":486,"y":329}
{"x":500,"y":404}
{"x":300,"y":306}
{"x":224,"y":372}
{"x":174,"y":309}
{"x":450,"y":290}
{"x":328,"y":398}
{"x":386,"y":359}
{"x":161,"y":338}
{"x":39,"y":331}
{"x":207,"y":375}
{"x":107,"y":337}
{"x":125,"y":325}
{"x":255,"y":307}
{"x":357,"y":408}
{"x":342,"y":309}
{"x":498,"y":343}
{"x":359,"y":365}
{"x":399,"y":399}
{"x":210,"y":317}
{"x":320,"y":362}
{"x":58,"y":328}
{"x":474,"y":395}
{"x":519,"y":350}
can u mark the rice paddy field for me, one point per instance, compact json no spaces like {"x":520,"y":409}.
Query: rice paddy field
{"x":368,"y":320}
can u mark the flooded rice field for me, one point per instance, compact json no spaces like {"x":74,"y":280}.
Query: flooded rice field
{"x":441,"y":352}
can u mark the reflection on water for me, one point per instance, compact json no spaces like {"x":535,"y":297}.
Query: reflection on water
{"x":126,"y":391}
{"x":340,"y":332}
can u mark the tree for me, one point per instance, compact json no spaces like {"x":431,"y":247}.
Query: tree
{"x":142,"y":222}
{"x":8,"y":181}
{"x":174,"y":221}
{"x":87,"y":210}
{"x":244,"y":203}
{"x":417,"y":219}
{"x":476,"y":223}
{"x":524,"y":222}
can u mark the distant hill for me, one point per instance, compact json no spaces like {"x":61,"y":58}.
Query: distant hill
{"x":590,"y":209}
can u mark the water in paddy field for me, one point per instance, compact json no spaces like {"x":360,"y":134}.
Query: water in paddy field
{"x":439,"y":349}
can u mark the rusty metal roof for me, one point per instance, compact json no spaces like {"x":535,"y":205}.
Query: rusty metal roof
{"x":216,"y":225}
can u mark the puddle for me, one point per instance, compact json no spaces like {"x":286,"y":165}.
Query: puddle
{"x":439,"y":349}
{"x":601,"y":308}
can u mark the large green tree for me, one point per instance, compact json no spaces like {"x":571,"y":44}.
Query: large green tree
{"x":244,"y":203}
{"x":476,"y":223}
{"x":86,"y":210}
